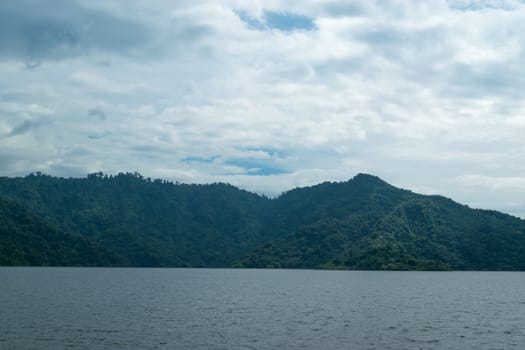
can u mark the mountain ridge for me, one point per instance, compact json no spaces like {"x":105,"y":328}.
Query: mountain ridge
{"x":362,"y":223}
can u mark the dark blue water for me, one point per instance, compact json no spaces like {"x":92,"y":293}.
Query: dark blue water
{"x":90,"y":308}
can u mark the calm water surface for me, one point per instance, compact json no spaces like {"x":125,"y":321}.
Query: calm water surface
{"x":96,"y":308}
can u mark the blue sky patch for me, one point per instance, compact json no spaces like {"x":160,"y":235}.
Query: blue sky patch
{"x":480,"y":5}
{"x":283,"y":21}
{"x":288,"y":21}
{"x":256,"y":166}
{"x":199,"y":159}
{"x":252,"y":22}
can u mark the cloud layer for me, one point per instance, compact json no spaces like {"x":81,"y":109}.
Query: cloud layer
{"x":268,"y":95}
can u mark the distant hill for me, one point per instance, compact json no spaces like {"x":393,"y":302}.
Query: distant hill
{"x":363,"y":223}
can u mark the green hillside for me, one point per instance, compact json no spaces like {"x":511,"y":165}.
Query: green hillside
{"x":363,"y":223}
{"x":26,"y":239}
{"x":145,"y":222}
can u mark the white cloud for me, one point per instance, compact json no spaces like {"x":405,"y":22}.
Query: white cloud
{"x":421,"y":94}
{"x":493,"y":182}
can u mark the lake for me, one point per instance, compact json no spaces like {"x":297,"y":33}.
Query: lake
{"x":121,"y":308}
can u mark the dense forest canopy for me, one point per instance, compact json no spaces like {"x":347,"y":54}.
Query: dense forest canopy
{"x":363,"y":223}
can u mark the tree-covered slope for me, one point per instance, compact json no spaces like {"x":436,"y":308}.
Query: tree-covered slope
{"x":26,"y":239}
{"x":363,"y":223}
{"x":147,"y":223}
{"x":370,"y":224}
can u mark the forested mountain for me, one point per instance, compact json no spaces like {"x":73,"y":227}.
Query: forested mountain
{"x":144,"y":222}
{"x":26,"y":239}
{"x":363,"y":223}
{"x":366,"y":223}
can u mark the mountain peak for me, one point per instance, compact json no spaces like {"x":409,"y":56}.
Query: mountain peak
{"x":362,"y":178}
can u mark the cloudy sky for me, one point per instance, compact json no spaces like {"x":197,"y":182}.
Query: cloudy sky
{"x":270,"y":95}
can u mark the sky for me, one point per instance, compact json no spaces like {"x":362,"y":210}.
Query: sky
{"x":270,"y":95}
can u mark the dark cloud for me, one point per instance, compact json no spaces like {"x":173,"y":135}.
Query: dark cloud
{"x":24,"y":127}
{"x":345,"y":9}
{"x":188,"y":33}
{"x":97,"y":114}
{"x":482,"y":80}
{"x":36,"y":31}
{"x":98,"y":136}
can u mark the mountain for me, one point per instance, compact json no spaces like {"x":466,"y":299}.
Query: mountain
{"x":363,"y":223}
{"x":366,"y":223}
{"x":144,"y":222}
{"x":26,"y":239}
